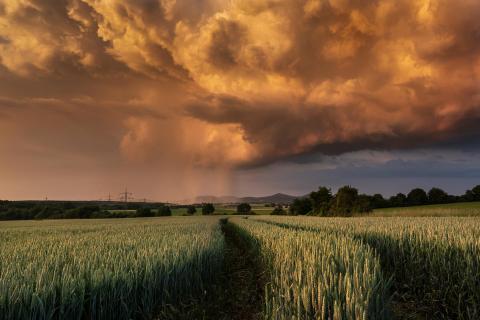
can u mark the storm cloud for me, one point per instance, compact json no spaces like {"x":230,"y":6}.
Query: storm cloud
{"x":234,"y":84}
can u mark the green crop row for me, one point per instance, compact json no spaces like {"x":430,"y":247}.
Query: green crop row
{"x":315,"y":268}
{"x":313,"y":275}
{"x":105,"y":270}
{"x":434,"y":262}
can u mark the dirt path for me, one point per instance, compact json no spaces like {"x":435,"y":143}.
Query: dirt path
{"x":236,"y":295}
{"x":242,"y":288}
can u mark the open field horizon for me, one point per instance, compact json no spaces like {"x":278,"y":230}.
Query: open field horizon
{"x":240,"y":159}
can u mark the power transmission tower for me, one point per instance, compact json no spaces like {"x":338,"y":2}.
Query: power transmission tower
{"x":125,"y":196}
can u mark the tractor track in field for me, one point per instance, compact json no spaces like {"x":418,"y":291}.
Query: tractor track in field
{"x":243,"y":283}
{"x":238,"y":292}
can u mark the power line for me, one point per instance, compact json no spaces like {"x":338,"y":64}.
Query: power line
{"x":125,"y":196}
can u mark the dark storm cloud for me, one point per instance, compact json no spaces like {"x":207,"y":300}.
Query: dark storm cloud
{"x":273,"y":127}
{"x":345,"y":77}
{"x":225,"y":44}
{"x":295,"y":77}
{"x":258,"y":81}
{"x":371,"y":171}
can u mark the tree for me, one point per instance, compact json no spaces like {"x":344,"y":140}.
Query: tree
{"x":68,"y":205}
{"x":301,"y":206}
{"x":208,"y":208}
{"x":321,"y":200}
{"x":345,"y":201}
{"x":417,"y":197}
{"x":244,"y":208}
{"x":49,"y":212}
{"x":191,"y":210}
{"x":399,"y":200}
{"x":278,"y":211}
{"x":437,"y":195}
{"x":363,"y":204}
{"x":82,"y":212}
{"x":378,"y":201}
{"x":144,"y":212}
{"x":468,"y":196}
{"x":476,"y":193}
{"x":164,"y":211}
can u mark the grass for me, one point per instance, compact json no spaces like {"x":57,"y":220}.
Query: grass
{"x":463,"y":209}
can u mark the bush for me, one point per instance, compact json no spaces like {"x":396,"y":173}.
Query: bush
{"x":164,"y":211}
{"x":53,"y":212}
{"x":301,"y":206}
{"x":378,"y":201}
{"x":144,"y":212}
{"x":398,"y":200}
{"x":363,"y":204}
{"x":191,"y":210}
{"x":278,"y":211}
{"x":207,"y":209}
{"x":84,"y":212}
{"x":244,"y":208}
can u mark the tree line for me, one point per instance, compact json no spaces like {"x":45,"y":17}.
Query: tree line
{"x":38,"y":210}
{"x":322,"y":202}
{"x":31,"y":210}
{"x":347,"y":201}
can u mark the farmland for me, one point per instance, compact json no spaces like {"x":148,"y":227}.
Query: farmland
{"x":433,"y":261}
{"x":263,"y":267}
{"x":115,"y":270}
{"x":220,"y":209}
{"x":463,"y":209}
{"x":225,"y":210}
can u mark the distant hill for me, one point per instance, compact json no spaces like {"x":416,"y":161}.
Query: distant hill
{"x":215,"y":199}
{"x":276,"y":198}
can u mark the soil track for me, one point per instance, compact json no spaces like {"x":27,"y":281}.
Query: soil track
{"x":243,"y":280}
{"x":236,"y":295}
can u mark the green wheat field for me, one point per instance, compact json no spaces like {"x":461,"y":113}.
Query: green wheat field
{"x":306,"y":268}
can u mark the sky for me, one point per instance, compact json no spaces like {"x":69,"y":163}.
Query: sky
{"x":178,"y":98}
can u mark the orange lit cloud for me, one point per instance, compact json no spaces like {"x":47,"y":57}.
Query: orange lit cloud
{"x":213,"y":83}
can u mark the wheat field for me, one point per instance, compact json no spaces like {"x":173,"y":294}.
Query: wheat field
{"x":312,"y":268}
{"x":104,"y":269}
